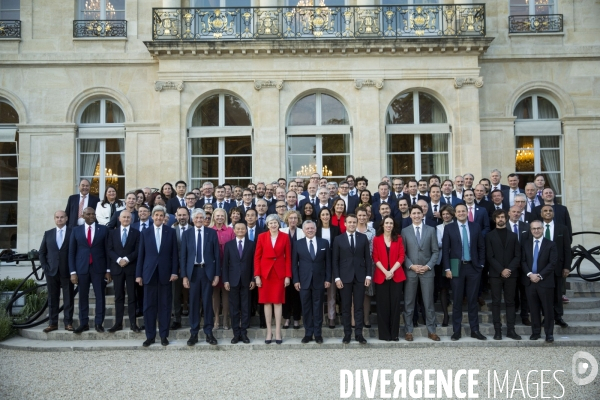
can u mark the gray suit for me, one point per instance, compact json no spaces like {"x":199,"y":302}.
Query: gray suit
{"x":424,"y":254}
{"x":178,"y":284}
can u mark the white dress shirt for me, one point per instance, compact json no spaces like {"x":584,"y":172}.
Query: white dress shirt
{"x":81,"y":221}
{"x":64,"y":233}
{"x":127,"y":230}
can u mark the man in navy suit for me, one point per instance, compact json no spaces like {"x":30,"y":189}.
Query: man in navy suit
{"x":513,"y":189}
{"x":476,"y":214}
{"x":310,"y":196}
{"x":122,"y":247}
{"x":78,"y":202}
{"x":144,"y":223}
{"x":521,"y":229}
{"x":561,"y":213}
{"x":200,"y":270}
{"x":238,"y":279}
{"x":539,"y":258}
{"x":179,"y":295}
{"x":54,"y":258}
{"x":495,"y":177}
{"x":311,"y":271}
{"x":413,"y":193}
{"x":88,"y":264}
{"x":447,"y":196}
{"x":323,"y":200}
{"x":463,"y":241}
{"x":220,"y":199}
{"x":157,"y":265}
{"x":383,"y":189}
{"x":179,"y":200}
{"x":207,"y":198}
{"x":435,"y":204}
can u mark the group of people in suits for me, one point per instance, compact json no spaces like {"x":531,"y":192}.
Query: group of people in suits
{"x":296,"y":252}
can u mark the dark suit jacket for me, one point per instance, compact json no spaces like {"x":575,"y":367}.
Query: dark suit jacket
{"x":499,"y":256}
{"x":136,"y":225}
{"x":79,"y":250}
{"x":393,"y":206}
{"x":347,"y":265}
{"x":72,"y":209}
{"x":114,"y":220}
{"x":523,"y":230}
{"x":173,"y":204}
{"x":454,"y":201}
{"x":561,"y":216}
{"x":236,"y":270}
{"x":353,"y":202}
{"x":429,"y":215}
{"x":502,"y":187}
{"x":547,"y":259}
{"x":506,"y":194}
{"x":52,"y":258}
{"x":309,"y":273}
{"x":419,"y":197}
{"x":150,"y":259}
{"x":452,"y":244}
{"x":210,"y":251}
{"x":226,"y":206}
{"x":334,"y":232}
{"x":482,"y":219}
{"x":563,"y":249}
{"x":200,"y":203}
{"x":116,"y":250}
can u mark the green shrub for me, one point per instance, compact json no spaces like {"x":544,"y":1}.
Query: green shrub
{"x":6,"y":329}
{"x":33,"y":303}
{"x":10,"y":284}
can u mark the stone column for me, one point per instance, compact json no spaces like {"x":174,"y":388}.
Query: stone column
{"x":172,"y":143}
{"x":498,"y":151}
{"x":466,"y":135}
{"x":140,"y":166}
{"x":269,"y":136}
{"x":366,"y":134}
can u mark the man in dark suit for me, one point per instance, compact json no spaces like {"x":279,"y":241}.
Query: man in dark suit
{"x":447,"y":196}
{"x":200,"y":270}
{"x":476,"y":214}
{"x":503,"y":253}
{"x":323,"y":200}
{"x":495,"y":178}
{"x":435,"y":204}
{"x":538,"y":262}
{"x":311,"y":272}
{"x":78,"y":202}
{"x":463,"y":242}
{"x":130,"y":200}
{"x":513,"y":189}
{"x":397,"y":186}
{"x":533,"y":200}
{"x":238,"y":279}
{"x":521,"y":229}
{"x":521,"y":202}
{"x":180,"y":294}
{"x":561,"y":213}
{"x":157,"y":267}
{"x":413,"y":193}
{"x":252,"y":232}
{"x":88,"y":264}
{"x":480,"y":200}
{"x":352,"y":269}
{"x":350,"y":201}
{"x":499,"y":202}
{"x":145,"y":222}
{"x":559,"y":234}
{"x":459,"y":186}
{"x":54,"y":258}
{"x":220,"y":199}
{"x":179,"y":199}
{"x":207,"y":192}
{"x":122,"y":247}
{"x":383,"y":189}
{"x":310,"y":196}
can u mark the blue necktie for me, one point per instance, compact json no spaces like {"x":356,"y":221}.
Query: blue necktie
{"x":251,"y":235}
{"x":536,"y":253}
{"x":61,"y":239}
{"x":157,"y":235}
{"x":465,"y":244}
{"x":182,"y":203}
{"x":124,"y":237}
{"x":312,"y":250}
{"x":516,"y":230}
{"x":199,"y":248}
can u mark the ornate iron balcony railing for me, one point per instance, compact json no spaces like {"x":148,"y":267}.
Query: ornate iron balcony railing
{"x":99,"y":28}
{"x":319,"y":22}
{"x":10,"y":29}
{"x":535,"y":23}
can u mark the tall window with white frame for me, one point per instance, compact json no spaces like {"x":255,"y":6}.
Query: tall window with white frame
{"x":9,"y":175}
{"x":101,"y":146}
{"x":418,"y":137}
{"x":318,"y":138}
{"x":99,"y":10}
{"x":532,"y":7}
{"x":220,"y":3}
{"x":538,"y":147}
{"x":220,"y":142}
{"x":10,"y":10}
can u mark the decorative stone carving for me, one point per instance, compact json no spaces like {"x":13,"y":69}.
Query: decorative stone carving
{"x":168,"y":85}
{"x":477,"y":82}
{"x":268,"y":84}
{"x":359,"y":83}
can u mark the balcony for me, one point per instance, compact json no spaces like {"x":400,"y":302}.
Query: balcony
{"x":100,"y":29}
{"x":550,"y":23}
{"x":10,"y":29}
{"x":318,"y":23}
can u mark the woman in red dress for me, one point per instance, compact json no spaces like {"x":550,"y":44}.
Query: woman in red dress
{"x":338,"y":209}
{"x":273,"y":272}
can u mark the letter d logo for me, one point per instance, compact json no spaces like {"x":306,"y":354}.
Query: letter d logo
{"x":580,"y":368}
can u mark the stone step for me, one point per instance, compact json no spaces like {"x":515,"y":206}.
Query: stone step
{"x":580,"y":286}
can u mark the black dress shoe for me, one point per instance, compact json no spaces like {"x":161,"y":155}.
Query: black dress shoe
{"x":361,"y":339}
{"x":192,"y":340}
{"x":331,"y":326}
{"x":498,"y":334}
{"x":306,"y":339}
{"x":455,"y":336}
{"x":561,"y":322}
{"x":534,"y":337}
{"x":526,"y":321}
{"x":513,"y":335}
{"x":235,"y":340}
{"x":478,"y":335}
{"x":367,"y":326}
{"x":244,"y":339}
{"x":549,"y":339}
{"x":415,"y":323}
{"x":164,"y":341}
{"x":210,"y":339}
{"x":296,"y":326}
{"x":148,"y":342}
{"x":116,"y":328}
{"x":319,"y":339}
{"x":346,"y":339}
{"x":135,"y":329}
{"x":99,"y":328}
{"x":175,"y":325}
{"x":82,"y":328}
{"x":142,"y":327}
{"x":139,"y":314}
{"x":278,"y":341}
{"x":396,"y":339}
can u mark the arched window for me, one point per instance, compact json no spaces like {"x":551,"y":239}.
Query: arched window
{"x":418,"y":137}
{"x":220,"y":141}
{"x":318,"y":137}
{"x":101,"y":146}
{"x":538,"y":145}
{"x":9,"y":175}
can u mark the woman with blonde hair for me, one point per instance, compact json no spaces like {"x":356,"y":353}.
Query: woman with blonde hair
{"x":225,"y":233}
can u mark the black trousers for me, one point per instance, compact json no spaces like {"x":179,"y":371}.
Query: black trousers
{"x":467,"y":282}
{"x":388,"y":294}
{"x":559,"y":285}
{"x":541,"y":298}
{"x":239,"y":309}
{"x":125,"y":279}
{"x":99,"y":284}
{"x":507,"y":286}
{"x":312,"y":310}
{"x":201,"y":291}
{"x":292,"y":306}
{"x":521,"y":299}
{"x":177,"y":303}
{"x":139,"y":298}
{"x":352,"y":289}
{"x":55,"y":283}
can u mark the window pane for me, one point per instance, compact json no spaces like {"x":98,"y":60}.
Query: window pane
{"x":401,"y":111}
{"x":206,"y":146}
{"x":91,"y":114}
{"x":430,"y":110}
{"x":8,"y":213}
{"x":434,"y":143}
{"x":304,"y":111}
{"x":238,"y":145}
{"x":115,"y":9}
{"x":205,"y":167}
{"x":549,"y":142}
{"x":8,"y":115}
{"x":240,"y":182}
{"x":524,"y":109}
{"x":333,"y":111}
{"x":236,"y":113}
{"x":550,"y":160}
{"x":524,"y":158}
{"x":9,"y":189}
{"x":114,"y":114}
{"x":336,"y":165}
{"x":519,"y":7}
{"x":401,"y":143}
{"x":546,"y":109}
{"x":207,"y":113}
{"x":8,"y":238}
{"x":89,"y":146}
{"x":301,"y":165}
{"x":335,"y":144}
{"x":114,"y":165}
{"x":434,"y":164}
{"x":8,"y":167}
{"x":238,"y":166}
{"x":302,"y":144}
{"x":401,"y":164}
{"x":8,"y":148}
{"x":115,"y":145}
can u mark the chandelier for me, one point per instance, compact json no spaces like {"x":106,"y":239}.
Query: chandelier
{"x":524,"y":159}
{"x":308,"y":170}
{"x":92,"y":9}
{"x":109,"y":177}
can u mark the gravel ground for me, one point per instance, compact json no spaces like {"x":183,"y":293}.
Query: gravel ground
{"x":289,"y":374}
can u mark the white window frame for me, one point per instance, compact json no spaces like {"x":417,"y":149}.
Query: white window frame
{"x":222,"y":4}
{"x":8,"y":134}
{"x":531,"y":11}
{"x":102,"y":13}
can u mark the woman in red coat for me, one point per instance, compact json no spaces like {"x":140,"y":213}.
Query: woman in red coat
{"x":388,"y":255}
{"x":273,"y":272}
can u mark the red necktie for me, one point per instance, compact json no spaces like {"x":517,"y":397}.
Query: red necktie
{"x":470,"y":214}
{"x":89,"y":240}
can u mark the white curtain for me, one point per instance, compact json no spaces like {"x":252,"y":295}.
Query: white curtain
{"x":91,"y":115}
{"x":546,"y":109}
{"x":551,"y":160}
{"x":89,"y":161}
{"x":440,"y":142}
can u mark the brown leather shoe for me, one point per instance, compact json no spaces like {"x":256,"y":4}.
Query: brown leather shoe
{"x":50,"y":328}
{"x":408,"y":337}
{"x":433,"y":337}
{"x":69,"y":328}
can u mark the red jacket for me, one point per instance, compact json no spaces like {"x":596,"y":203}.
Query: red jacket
{"x":267,"y":258}
{"x":380,"y":254}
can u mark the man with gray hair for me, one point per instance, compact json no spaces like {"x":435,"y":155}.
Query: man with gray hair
{"x":333,"y":189}
{"x":207,"y":192}
{"x":469,"y":179}
{"x":495,"y":177}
